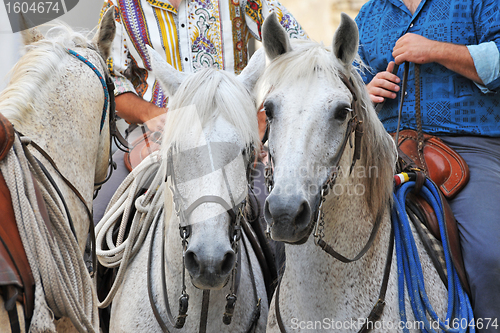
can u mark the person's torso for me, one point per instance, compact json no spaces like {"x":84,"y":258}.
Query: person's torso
{"x":450,"y":103}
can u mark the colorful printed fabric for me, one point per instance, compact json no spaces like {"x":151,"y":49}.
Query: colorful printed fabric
{"x":450,"y":103}
{"x":200,"y":34}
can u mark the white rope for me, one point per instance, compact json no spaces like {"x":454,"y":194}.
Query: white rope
{"x":120,"y":253}
{"x":62,"y":284}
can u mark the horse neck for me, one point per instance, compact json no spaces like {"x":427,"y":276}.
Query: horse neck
{"x":66,"y":125}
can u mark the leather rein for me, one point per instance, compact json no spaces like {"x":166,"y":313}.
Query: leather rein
{"x":355,"y":126}
{"x":237,"y":219}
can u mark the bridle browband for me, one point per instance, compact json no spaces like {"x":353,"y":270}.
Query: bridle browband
{"x":355,"y":126}
{"x":237,"y":216}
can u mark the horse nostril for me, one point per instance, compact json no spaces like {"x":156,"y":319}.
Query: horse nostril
{"x":192,"y":263}
{"x":227,"y":262}
{"x":303,"y":215}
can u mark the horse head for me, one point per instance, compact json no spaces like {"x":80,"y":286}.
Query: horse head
{"x":210,"y":130}
{"x":315,"y":104}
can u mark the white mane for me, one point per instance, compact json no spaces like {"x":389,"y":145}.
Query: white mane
{"x":40,"y":63}
{"x":214,"y":93}
{"x":306,"y":59}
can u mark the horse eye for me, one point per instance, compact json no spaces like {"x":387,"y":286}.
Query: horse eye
{"x":341,"y":113}
{"x":269,"y":107}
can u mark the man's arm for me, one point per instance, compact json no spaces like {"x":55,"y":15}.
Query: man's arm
{"x":420,"y":50}
{"x":134,"y":109}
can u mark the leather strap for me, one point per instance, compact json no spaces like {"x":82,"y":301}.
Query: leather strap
{"x":418,"y":118}
{"x":328,"y":249}
{"x":378,"y":308}
{"x":77,"y":193}
{"x":11,"y":308}
{"x":256,"y":312}
{"x":6,"y":136}
{"x":204,"y":310}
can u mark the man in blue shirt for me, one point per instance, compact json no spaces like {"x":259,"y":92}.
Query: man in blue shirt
{"x":456,"y":43}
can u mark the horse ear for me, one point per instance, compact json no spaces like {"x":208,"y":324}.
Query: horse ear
{"x":30,"y":35}
{"x":274,"y":37}
{"x":106,"y":33}
{"x":169,"y":77}
{"x":346,"y":40}
{"x":255,"y":67}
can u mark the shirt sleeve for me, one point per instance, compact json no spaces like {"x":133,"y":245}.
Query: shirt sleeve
{"x":120,"y":59}
{"x":487,"y":62}
{"x":256,"y":12}
{"x":486,"y":53}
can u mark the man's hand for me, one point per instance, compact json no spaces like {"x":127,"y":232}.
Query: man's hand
{"x":415,"y":48}
{"x":157,"y":123}
{"x":383,"y":85}
{"x":420,"y":50}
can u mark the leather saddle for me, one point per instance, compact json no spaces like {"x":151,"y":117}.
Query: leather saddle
{"x":447,"y":169}
{"x":16,"y":279}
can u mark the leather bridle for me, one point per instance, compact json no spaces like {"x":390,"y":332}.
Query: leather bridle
{"x":237,"y":217}
{"x":354,"y":126}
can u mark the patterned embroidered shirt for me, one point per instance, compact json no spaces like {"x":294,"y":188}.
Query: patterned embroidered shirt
{"x":450,"y":103}
{"x":200,"y":33}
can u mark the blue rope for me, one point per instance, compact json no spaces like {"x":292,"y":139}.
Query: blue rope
{"x":459,"y":314}
{"x":103,"y":82}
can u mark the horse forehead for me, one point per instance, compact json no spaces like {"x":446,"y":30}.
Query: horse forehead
{"x":222,"y":130}
{"x":313,"y":96}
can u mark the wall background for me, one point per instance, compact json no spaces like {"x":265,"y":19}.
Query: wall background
{"x":319,"y":18}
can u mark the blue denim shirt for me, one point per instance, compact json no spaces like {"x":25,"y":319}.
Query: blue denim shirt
{"x":450,"y":103}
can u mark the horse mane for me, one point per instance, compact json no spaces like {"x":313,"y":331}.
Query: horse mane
{"x":378,"y":151}
{"x":41,"y":62}
{"x":204,"y":96}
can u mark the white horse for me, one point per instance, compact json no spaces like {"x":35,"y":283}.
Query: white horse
{"x":211,"y":124}
{"x":58,"y":102}
{"x":310,"y":107}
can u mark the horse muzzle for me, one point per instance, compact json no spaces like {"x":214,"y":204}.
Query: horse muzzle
{"x":289,"y":218}
{"x":209,"y":271}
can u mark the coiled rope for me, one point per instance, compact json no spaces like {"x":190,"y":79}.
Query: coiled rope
{"x":459,"y":315}
{"x":62,"y":284}
{"x":119,"y":253}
